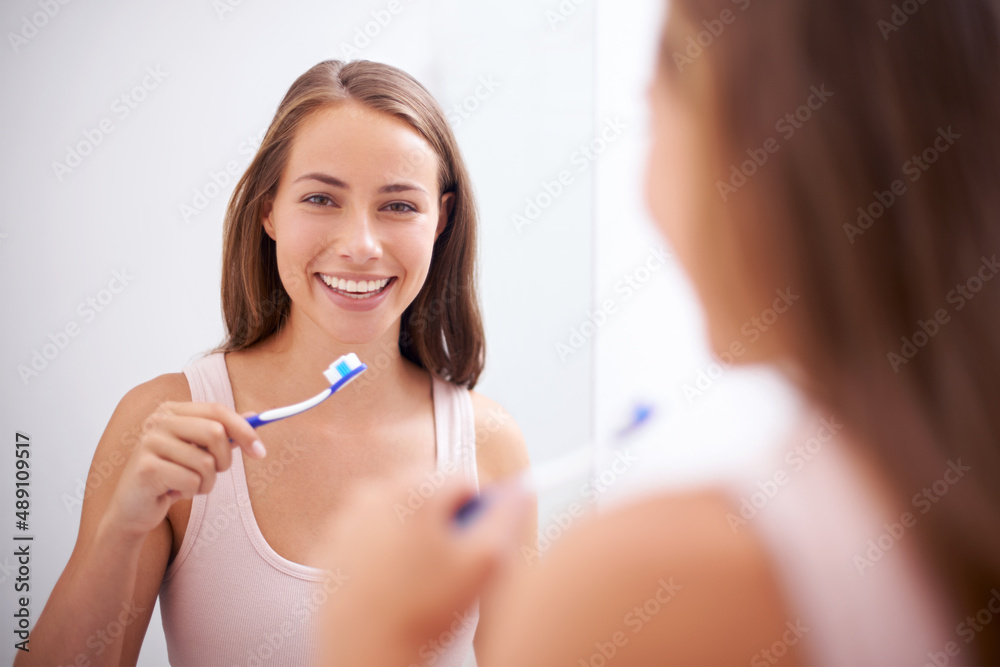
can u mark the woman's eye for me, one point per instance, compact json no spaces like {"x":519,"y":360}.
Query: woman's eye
{"x":319,"y":200}
{"x":401,"y":207}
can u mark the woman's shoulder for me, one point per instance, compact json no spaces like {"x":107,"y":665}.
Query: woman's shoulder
{"x":658,"y":581}
{"x":140,"y":402}
{"x":500,"y":447}
{"x":169,"y":387}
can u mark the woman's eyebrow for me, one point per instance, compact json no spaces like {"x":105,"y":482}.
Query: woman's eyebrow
{"x":402,"y":187}
{"x":337,"y":183}
{"x":323,"y":178}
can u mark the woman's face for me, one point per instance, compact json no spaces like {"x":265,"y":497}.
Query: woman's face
{"x":681,"y":198}
{"x":354,"y":219}
{"x":672,"y":172}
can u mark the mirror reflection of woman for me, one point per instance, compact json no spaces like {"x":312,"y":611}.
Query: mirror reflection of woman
{"x":353,"y":230}
{"x":885,"y":549}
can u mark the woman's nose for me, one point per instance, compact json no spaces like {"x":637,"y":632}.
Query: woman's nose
{"x":359,"y":242}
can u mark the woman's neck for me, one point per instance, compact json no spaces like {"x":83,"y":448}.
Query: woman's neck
{"x":291,"y":362}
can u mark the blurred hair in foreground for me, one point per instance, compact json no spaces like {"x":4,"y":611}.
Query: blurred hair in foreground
{"x":884,"y":211}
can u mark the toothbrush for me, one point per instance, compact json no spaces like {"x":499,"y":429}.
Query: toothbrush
{"x":339,"y":373}
{"x":553,"y":474}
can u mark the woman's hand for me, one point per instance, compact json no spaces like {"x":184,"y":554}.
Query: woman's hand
{"x":182,"y":447}
{"x":408,"y":567}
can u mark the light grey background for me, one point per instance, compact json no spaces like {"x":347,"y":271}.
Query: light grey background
{"x":223,"y":67}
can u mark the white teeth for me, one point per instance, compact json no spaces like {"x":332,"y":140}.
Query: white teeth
{"x":355,"y":288}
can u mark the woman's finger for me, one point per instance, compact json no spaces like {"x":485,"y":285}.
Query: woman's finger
{"x":205,"y":433}
{"x":166,"y":477}
{"x":187,"y":455}
{"x":237,"y":429}
{"x":501,"y":520}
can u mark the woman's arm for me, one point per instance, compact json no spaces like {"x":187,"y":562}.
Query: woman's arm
{"x":109,"y":573}
{"x":100,"y":607}
{"x":663,"y":581}
{"x":500,"y":453}
{"x":405,"y":581}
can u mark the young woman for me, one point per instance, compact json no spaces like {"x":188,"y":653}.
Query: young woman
{"x":353,"y":230}
{"x":885,"y":549}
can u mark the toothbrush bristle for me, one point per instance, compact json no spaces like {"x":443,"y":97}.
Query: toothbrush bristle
{"x":342,"y":367}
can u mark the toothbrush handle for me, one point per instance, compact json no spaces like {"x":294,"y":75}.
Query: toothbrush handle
{"x":255,"y":421}
{"x":469,"y":510}
{"x":274,"y":415}
{"x":472,"y":508}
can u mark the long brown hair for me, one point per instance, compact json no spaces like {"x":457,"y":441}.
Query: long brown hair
{"x":882,"y":208}
{"x":442,"y":329}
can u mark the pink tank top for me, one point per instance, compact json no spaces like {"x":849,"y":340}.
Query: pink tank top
{"x":857,"y":589}
{"x":229,"y":599}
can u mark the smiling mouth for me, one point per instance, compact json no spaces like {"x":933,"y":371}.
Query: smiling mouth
{"x":357,"y":289}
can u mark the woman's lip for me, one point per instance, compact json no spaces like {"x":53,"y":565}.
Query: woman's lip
{"x":354,"y":304}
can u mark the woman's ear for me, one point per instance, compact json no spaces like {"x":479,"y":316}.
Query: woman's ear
{"x":266,"y":212}
{"x":444,"y":212}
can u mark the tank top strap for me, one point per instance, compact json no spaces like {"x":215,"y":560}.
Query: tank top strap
{"x":455,"y":430}
{"x":209,"y":380}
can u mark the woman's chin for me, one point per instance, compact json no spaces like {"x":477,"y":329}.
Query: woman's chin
{"x":354,"y":339}
{"x":735,"y":348}
{"x":359,"y":336}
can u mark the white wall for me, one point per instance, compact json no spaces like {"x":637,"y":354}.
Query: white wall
{"x":223,"y":67}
